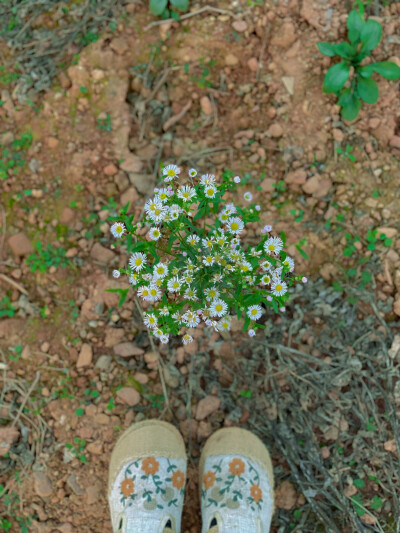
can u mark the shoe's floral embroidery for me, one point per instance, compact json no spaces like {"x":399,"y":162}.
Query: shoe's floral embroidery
{"x":127,"y":487}
{"x":150,"y":466}
{"x":178,"y":479}
{"x":233,"y":483}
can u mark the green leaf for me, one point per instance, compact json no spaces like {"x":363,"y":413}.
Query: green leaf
{"x":370,"y":35}
{"x":79,"y":412}
{"x":182,"y":5}
{"x":387,"y":69}
{"x":376,"y":503}
{"x":336,"y":77}
{"x":367,"y":90}
{"x":351,"y":107}
{"x":345,"y":50}
{"x":355,"y":24}
{"x":359,"y":483}
{"x":356,"y":501}
{"x":157,"y":6}
{"x":327,"y":49}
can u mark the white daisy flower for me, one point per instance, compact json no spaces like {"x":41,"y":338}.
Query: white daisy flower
{"x":248,"y":196}
{"x":147,"y":277}
{"x":159,"y":213}
{"x":193,"y":239}
{"x":117,"y":229}
{"x":164,"y":339}
{"x":160,"y":270}
{"x":235,"y":255}
{"x":162,"y":195}
{"x":210,"y":191}
{"x":189,"y":265}
{"x":251,"y":332}
{"x":211,"y":293}
{"x":245,"y":266}
{"x":187,"y":338}
{"x":175,"y":271}
{"x":224,"y":324}
{"x":236,"y":179}
{"x":208,"y":243}
{"x":164,"y":311}
{"x":220,"y":239}
{"x":186,"y":193}
{"x":235,"y":225}
{"x":150,"y":320}
{"x":273,"y":245}
{"x":133,"y":279}
{"x":158,"y":332}
{"x":154,"y":293}
{"x":207,"y":179}
{"x":143,"y":292}
{"x":218,"y":277}
{"x":266,"y":265}
{"x":116,"y":273}
{"x":255,"y":253}
{"x":278,"y":288}
{"x":174,"y":284}
{"x":174,"y":211}
{"x":154,"y":234}
{"x":188,"y":278}
{"x":137,"y":261}
{"x":265,"y":279}
{"x":190,"y":294}
{"x":177,"y":316}
{"x":289,"y":263}
{"x":152,"y":204}
{"x":218,"y":307}
{"x":157,"y":281}
{"x":192,"y":172}
{"x":208,"y":260}
{"x":254,"y":312}
{"x":235,"y":241}
{"x":191,"y":319}
{"x":170,"y":172}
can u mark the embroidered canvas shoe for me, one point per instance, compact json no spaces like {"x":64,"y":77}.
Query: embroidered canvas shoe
{"x":236,"y":483}
{"x":147,"y":479}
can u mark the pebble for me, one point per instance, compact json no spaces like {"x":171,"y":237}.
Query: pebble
{"x":240,"y":25}
{"x":374,"y":123}
{"x":285,"y":496}
{"x":101,"y":254}
{"x":67,"y":215}
{"x":231,"y":60}
{"x":104,"y":362}
{"x":119,"y":45}
{"x":72,"y":482}
{"x":296,"y":177}
{"x":131,"y":196}
{"x":52,"y":142}
{"x":317,"y":186}
{"x":206,"y":106}
{"x":97,"y":74}
{"x":275,"y":130}
{"x":389,"y":232}
{"x":20,"y":244}
{"x":127,"y":349}
{"x":42,"y":484}
{"x":207,"y":406}
{"x":8,"y":436}
{"x":285,"y":36}
{"x":44,"y":347}
{"x":85,"y":356}
{"x":395,"y":142}
{"x":110,"y":170}
{"x":337,"y":135}
{"x":129,"y":396}
{"x":252,"y":63}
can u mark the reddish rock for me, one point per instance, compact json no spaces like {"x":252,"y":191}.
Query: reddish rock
{"x":296,"y":177}
{"x":66,"y":216}
{"x":110,"y":170}
{"x":395,"y":142}
{"x":119,"y":45}
{"x":8,"y":436}
{"x":285,"y":496}
{"x":239,"y":25}
{"x":52,"y":142}
{"x":127,"y":349}
{"x":20,"y":244}
{"x":207,"y":406}
{"x":131,"y":196}
{"x":42,"y":484}
{"x":129,"y":396}
{"x":85,"y":356}
{"x":285,"y":36}
{"x":206,"y":106}
{"x":317,"y":186}
{"x":275,"y":130}
{"x":101,"y":254}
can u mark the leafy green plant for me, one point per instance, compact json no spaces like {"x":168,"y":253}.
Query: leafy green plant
{"x":364,"y":36}
{"x":44,"y":259}
{"x":160,"y":8}
{"x":12,"y":157}
{"x":6,"y":307}
{"x":346,"y":153}
{"x":77,"y":449}
{"x":104,"y":123}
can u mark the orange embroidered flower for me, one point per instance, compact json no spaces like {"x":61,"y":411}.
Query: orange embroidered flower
{"x":236,"y":467}
{"x":209,"y":480}
{"x":150,"y":466}
{"x":127,"y":487}
{"x":178,"y":479}
{"x":256,"y":493}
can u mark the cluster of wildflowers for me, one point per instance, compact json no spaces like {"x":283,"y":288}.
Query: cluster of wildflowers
{"x":188,"y":272}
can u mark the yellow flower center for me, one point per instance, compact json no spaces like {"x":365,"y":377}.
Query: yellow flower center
{"x":157,"y":212}
{"x":234,"y":226}
{"x":151,"y":320}
{"x":271,"y":247}
{"x":254,"y":311}
{"x":186,"y":194}
{"x":153,"y":292}
{"x":171,"y":172}
{"x":138,"y":261}
{"x":245,"y":268}
{"x":224,"y":217}
{"x":153,"y":206}
{"x":119,"y":229}
{"x":212,"y":294}
{"x":278,"y":287}
{"x":209,"y":259}
{"x":218,"y":307}
{"x":160,"y":270}
{"x":176,"y":285}
{"x":210,"y":192}
{"x":162,"y":196}
{"x":145,"y":293}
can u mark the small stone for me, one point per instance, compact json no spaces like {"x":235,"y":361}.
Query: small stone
{"x":101,"y":254}
{"x":296,"y":177}
{"x":101,"y":419}
{"x":129,"y":396}
{"x":131,"y":196}
{"x":97,"y":74}
{"x":144,"y":183}
{"x":45,"y":346}
{"x":127,"y":349}
{"x":388,"y":232}
{"x":67,"y":215}
{"x":239,"y":25}
{"x":110,"y":170}
{"x":288,"y":82}
{"x":285,"y":496}
{"x":72,"y":482}
{"x":66,"y":527}
{"x":390,"y":446}
{"x":52,"y":142}
{"x":171,"y":376}
{"x":396,"y":306}
{"x":92,"y":494}
{"x":42,"y":484}
{"x":8,"y":436}
{"x":252,"y":63}
{"x":231,"y":60}
{"x":20,"y":244}
{"x":85,"y":356}
{"x":104,"y":362}
{"x":337,"y":135}
{"x":368,"y":519}
{"x":119,"y":45}
{"x":96,"y":448}
{"x":267,"y":185}
{"x":206,"y":106}
{"x":207,"y":406}
{"x":374,"y":123}
{"x":6,"y":138}
{"x":151,"y":358}
{"x":275,"y":130}
{"x":285,"y":36}
{"x":317,"y":186}
{"x":395,"y":142}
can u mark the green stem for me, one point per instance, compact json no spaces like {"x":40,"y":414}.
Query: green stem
{"x":156,"y":247}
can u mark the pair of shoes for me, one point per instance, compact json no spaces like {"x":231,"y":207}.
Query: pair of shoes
{"x":148,"y":474}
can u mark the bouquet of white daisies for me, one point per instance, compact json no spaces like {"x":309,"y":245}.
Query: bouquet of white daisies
{"x":188,"y":270}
